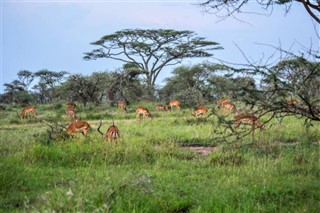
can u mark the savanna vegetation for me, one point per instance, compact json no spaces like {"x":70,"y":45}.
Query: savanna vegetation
{"x":152,"y":169}
{"x":177,"y":161}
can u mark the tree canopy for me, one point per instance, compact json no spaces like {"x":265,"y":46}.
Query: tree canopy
{"x":151,"y":50}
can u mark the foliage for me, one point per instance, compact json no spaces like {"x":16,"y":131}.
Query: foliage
{"x":205,"y":82}
{"x":151,"y":50}
{"x":148,"y":169}
{"x":290,"y":87}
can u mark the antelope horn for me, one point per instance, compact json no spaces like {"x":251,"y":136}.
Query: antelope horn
{"x":99,"y":128}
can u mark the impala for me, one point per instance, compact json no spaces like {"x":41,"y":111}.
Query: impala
{"x":222,"y":101}
{"x":161,"y":107}
{"x":292,"y":102}
{"x":26,"y":112}
{"x":78,"y":126}
{"x":71,"y":114}
{"x":140,"y":110}
{"x":122,"y":105}
{"x":244,"y":118}
{"x":201,"y":110}
{"x":112,"y":133}
{"x":228,"y":107}
{"x":174,"y":103}
{"x":71,"y":105}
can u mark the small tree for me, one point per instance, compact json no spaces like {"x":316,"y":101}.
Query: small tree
{"x":151,"y":50}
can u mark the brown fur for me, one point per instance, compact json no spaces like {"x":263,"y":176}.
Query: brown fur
{"x":78,"y":126}
{"x":229,"y":107}
{"x":140,"y":110}
{"x":292,"y":102}
{"x":201,"y":110}
{"x":112,"y":133}
{"x":174,"y":103}
{"x":244,"y":118}
{"x":222,"y":101}
{"x":71,"y":111}
{"x":161,"y":107}
{"x":25,"y":112}
{"x":122,"y":105}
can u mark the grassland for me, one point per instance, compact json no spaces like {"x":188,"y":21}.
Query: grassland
{"x":150,"y":171}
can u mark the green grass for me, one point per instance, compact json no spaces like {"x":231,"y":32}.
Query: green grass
{"x":148,"y":171}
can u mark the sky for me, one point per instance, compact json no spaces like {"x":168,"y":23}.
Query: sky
{"x":53,"y":35}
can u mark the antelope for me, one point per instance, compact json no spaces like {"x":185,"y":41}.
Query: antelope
{"x":112,"y":133}
{"x":140,"y":110}
{"x":78,"y":126}
{"x":71,"y":110}
{"x":201,"y":110}
{"x":122,"y":105}
{"x":25,"y":112}
{"x":161,"y":107}
{"x":222,"y":101}
{"x":71,"y":105}
{"x":292,"y":102}
{"x":228,"y":107}
{"x":244,"y":118}
{"x":174,"y":103}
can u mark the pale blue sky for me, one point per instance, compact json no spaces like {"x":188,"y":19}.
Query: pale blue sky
{"x":54,"y":35}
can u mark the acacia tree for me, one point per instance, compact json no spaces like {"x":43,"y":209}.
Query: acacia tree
{"x":227,"y":8}
{"x":25,"y":77}
{"x":48,"y":80}
{"x":151,"y":50}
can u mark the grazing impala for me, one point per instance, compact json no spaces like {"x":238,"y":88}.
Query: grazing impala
{"x":78,"y":126}
{"x":122,"y":105}
{"x":140,"y":110}
{"x":227,"y":106}
{"x":244,"y":118}
{"x":292,"y":102}
{"x":201,"y":110}
{"x":174,"y":103}
{"x":222,"y":101}
{"x":161,"y":107}
{"x":26,"y":112}
{"x":112,"y":133}
{"x":71,"y":111}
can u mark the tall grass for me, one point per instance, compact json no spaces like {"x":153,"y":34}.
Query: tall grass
{"x":149,"y":171}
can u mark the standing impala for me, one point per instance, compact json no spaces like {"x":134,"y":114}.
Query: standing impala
{"x":25,"y":112}
{"x":200,"y":111}
{"x":140,"y":110}
{"x":71,"y":111}
{"x":112,"y":133}
{"x":78,"y":126}
{"x":122,"y":105}
{"x":174,"y":103}
{"x":244,"y":118}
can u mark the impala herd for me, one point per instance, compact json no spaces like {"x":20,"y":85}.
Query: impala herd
{"x":113,"y":132}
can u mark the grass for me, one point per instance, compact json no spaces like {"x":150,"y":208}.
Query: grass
{"x":148,"y":171}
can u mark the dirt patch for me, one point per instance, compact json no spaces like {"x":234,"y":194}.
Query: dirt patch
{"x":204,"y":150}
